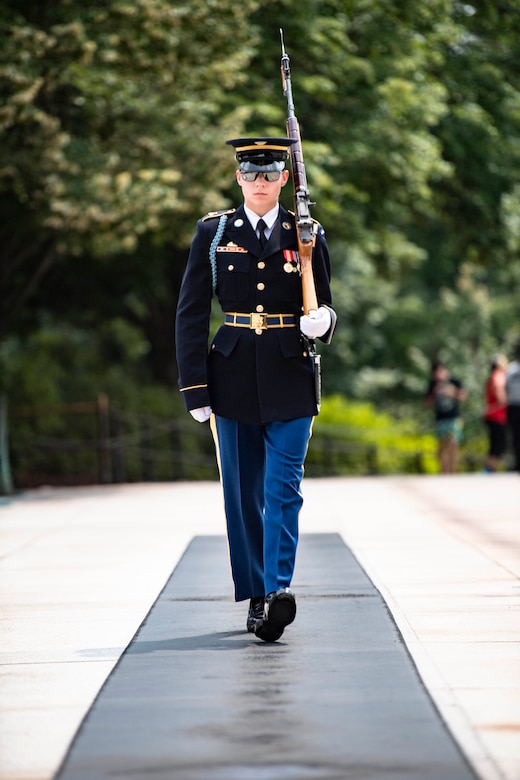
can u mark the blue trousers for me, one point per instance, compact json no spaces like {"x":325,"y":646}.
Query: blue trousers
{"x":261,"y":469}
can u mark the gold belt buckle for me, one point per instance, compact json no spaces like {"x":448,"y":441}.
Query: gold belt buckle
{"x":258,"y":322}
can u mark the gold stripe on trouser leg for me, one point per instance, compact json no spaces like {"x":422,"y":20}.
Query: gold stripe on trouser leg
{"x":214,"y":432}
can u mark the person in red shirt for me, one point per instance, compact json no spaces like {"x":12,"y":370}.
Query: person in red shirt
{"x":495,"y":412}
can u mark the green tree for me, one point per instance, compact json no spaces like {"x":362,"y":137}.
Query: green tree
{"x":112,"y":118}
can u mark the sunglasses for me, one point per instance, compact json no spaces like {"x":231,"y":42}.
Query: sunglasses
{"x":268,"y":175}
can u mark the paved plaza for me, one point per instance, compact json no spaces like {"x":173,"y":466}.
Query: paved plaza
{"x":123,"y":654}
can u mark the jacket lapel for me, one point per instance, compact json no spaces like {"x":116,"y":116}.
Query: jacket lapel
{"x":283,"y":235}
{"x":239,"y":230}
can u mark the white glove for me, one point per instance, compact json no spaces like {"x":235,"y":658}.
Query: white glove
{"x":201,"y":414}
{"x":316,"y":323}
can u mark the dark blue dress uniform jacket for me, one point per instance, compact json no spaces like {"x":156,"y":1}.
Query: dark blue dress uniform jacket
{"x":246,"y":376}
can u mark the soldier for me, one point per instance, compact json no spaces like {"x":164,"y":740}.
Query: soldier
{"x":256,"y":383}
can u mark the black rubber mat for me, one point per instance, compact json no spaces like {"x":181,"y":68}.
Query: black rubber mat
{"x":195,"y":697}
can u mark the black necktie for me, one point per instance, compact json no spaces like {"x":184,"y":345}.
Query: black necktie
{"x":261,"y":226}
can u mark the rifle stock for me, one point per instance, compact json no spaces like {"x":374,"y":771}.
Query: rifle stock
{"x":305,"y":227}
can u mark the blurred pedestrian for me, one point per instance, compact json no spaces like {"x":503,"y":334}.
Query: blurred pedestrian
{"x":495,"y":413}
{"x":444,"y":395}
{"x":513,"y":404}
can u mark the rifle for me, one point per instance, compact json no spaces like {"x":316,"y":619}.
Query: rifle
{"x":305,"y":227}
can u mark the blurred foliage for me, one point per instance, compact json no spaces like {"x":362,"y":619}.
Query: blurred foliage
{"x":113,"y":118}
{"x":107,"y":111}
{"x":352,"y":437}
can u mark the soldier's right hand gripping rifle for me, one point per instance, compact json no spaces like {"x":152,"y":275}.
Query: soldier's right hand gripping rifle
{"x":305,"y":226}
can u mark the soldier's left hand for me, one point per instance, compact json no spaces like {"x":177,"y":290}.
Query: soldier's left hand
{"x":316,"y":323}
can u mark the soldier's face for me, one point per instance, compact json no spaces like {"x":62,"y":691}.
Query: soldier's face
{"x":260,"y":195}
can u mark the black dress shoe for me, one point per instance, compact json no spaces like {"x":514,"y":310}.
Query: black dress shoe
{"x":279,"y":612}
{"x":255,"y":614}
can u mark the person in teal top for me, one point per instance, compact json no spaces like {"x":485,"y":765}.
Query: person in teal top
{"x":445,"y":394}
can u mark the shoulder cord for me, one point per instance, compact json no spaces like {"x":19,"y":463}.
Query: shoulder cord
{"x":213,"y":250}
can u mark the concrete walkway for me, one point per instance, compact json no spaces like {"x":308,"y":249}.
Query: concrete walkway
{"x":81,"y":568}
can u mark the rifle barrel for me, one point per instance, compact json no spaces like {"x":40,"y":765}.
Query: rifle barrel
{"x":305,"y":227}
